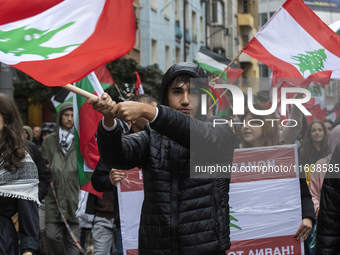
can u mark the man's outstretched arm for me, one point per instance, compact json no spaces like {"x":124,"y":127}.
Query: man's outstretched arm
{"x":116,"y":151}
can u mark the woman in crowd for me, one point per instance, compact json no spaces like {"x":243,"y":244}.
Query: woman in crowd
{"x":18,"y":185}
{"x":321,"y":166}
{"x":328,"y":124}
{"x":267,"y":135}
{"x":314,"y":147}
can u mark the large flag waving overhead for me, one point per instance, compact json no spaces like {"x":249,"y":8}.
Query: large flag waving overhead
{"x":60,"y":42}
{"x":214,"y":63}
{"x":297,"y":44}
{"x":85,"y":123}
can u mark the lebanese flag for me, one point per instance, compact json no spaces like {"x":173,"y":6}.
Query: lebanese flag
{"x":215,"y":64}
{"x":59,"y":42}
{"x":139,"y":86}
{"x":85,"y":123}
{"x":317,"y":104}
{"x":297,"y":44}
{"x":333,"y":114}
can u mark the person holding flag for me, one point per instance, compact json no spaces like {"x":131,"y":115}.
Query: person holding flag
{"x":59,"y":150}
{"x":180,"y":215}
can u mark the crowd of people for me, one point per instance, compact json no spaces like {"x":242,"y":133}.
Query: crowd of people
{"x":39,"y":187}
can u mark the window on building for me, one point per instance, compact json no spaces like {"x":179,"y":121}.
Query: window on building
{"x":194,"y":27}
{"x":177,"y":10}
{"x":167,"y":57}
{"x":263,"y":18}
{"x":208,"y":37}
{"x":154,"y":5}
{"x":264,"y":70}
{"x":218,"y":11}
{"x":271,"y":14}
{"x":154,"y":51}
{"x":245,"y":40}
{"x":245,"y":7}
{"x":167,"y":9}
{"x":178,"y":55}
{"x":201,"y":29}
{"x":186,"y":15}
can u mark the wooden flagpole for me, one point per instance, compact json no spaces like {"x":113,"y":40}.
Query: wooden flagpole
{"x":82,"y":92}
{"x":78,"y":91}
{"x":225,"y":69}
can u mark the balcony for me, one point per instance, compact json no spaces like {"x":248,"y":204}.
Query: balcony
{"x":245,"y":19}
{"x":178,"y":32}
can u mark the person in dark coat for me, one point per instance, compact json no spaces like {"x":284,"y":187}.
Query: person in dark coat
{"x":328,"y":228}
{"x":180,"y":215}
{"x":18,"y":185}
{"x":106,"y":210}
{"x":44,"y":173}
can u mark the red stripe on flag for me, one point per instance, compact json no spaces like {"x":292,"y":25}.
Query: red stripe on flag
{"x":233,"y":74}
{"x":88,"y":144}
{"x":133,"y":180}
{"x":103,"y":75}
{"x":101,"y":47}
{"x":256,"y":50}
{"x":313,"y":25}
{"x":89,"y":188}
{"x":24,"y":9}
{"x":268,"y":245}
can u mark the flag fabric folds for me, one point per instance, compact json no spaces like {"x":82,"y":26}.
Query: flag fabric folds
{"x":297,"y":44}
{"x":104,"y":77}
{"x":86,"y":122}
{"x":224,"y":108}
{"x":139,"y":86}
{"x":60,"y":42}
{"x":215,"y":64}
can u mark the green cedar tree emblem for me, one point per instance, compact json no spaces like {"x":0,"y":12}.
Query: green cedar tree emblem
{"x":232,"y":218}
{"x":22,"y":41}
{"x":313,"y":61}
{"x":315,"y":90}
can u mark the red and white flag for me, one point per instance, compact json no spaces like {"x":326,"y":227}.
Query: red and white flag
{"x":139,"y":86}
{"x":61,"y":41}
{"x":297,"y":44}
{"x":317,"y":104}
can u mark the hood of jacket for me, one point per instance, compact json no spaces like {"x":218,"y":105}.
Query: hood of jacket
{"x":189,"y":68}
{"x":30,"y":132}
{"x":64,"y":106}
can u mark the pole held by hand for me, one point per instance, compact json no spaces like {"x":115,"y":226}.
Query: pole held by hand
{"x":78,"y":91}
{"x":225,"y":69}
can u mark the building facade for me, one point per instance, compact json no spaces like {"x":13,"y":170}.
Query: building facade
{"x":163,"y":40}
{"x":247,"y":19}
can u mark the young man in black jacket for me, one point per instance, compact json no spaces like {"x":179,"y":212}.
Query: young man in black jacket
{"x":180,"y":215}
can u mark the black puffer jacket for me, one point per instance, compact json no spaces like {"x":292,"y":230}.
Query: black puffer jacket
{"x":180,"y":215}
{"x":328,"y":229}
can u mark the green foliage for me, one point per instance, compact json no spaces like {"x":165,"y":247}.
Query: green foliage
{"x":122,"y":71}
{"x":30,"y":88}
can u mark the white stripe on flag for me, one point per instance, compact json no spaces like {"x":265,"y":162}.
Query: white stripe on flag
{"x":205,"y":59}
{"x":286,"y":33}
{"x":275,"y":210}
